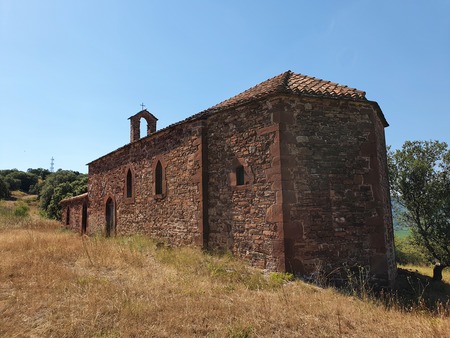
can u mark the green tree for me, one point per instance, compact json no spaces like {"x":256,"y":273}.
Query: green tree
{"x":40,"y":172}
{"x":25,"y":180}
{"x":7,"y":171}
{"x":12,"y":183}
{"x":42,"y":175}
{"x":59,"y":185}
{"x":19,"y":180}
{"x":420,"y":182}
{"x":4,"y":191}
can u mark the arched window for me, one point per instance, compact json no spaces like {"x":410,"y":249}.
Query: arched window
{"x":158,"y":179}
{"x":129,"y":184}
{"x":240,"y":175}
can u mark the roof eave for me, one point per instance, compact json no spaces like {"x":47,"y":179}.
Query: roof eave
{"x":380,"y":113}
{"x":74,"y":198}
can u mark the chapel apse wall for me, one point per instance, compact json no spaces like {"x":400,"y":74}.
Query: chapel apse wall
{"x":335,"y":186}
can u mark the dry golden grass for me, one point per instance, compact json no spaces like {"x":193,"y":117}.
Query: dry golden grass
{"x":427,"y":271}
{"x":57,"y":284}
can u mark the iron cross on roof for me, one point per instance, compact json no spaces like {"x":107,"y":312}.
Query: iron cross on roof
{"x":142,"y":106}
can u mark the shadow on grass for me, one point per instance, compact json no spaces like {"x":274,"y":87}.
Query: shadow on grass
{"x":412,"y":292}
{"x":415,"y":291}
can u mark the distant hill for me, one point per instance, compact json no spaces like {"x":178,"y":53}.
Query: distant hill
{"x":400,"y":228}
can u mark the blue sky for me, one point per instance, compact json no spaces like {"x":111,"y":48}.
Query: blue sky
{"x":72,"y":72}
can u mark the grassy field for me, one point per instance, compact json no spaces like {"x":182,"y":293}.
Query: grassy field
{"x":55,"y":283}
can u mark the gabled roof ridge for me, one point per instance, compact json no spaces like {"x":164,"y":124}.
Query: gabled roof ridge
{"x":289,"y":83}
{"x":274,"y":84}
{"x":286,"y":76}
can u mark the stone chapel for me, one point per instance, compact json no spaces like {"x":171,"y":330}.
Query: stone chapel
{"x":290,"y":175}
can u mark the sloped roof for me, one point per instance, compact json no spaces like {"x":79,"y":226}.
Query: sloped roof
{"x":74,"y":198}
{"x":285,"y":83}
{"x":292,"y":83}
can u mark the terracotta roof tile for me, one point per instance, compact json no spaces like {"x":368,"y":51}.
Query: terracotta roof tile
{"x":289,"y":83}
{"x":292,"y":83}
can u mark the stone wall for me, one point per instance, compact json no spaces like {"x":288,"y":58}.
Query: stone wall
{"x":387,"y":270}
{"x":175,"y":215}
{"x":72,"y":213}
{"x":335,"y":193}
{"x":241,"y":217}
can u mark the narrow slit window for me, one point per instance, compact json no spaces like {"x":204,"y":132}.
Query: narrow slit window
{"x":240,"y":175}
{"x":84,"y":218}
{"x":68,"y":216}
{"x":110,"y":217}
{"x":129,"y":184}
{"x":158,"y":179}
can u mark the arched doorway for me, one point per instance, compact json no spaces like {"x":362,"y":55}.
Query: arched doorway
{"x":84,"y":219}
{"x":110,"y":218}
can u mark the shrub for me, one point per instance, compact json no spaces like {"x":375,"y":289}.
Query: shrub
{"x":21,"y":210}
{"x":279,"y":278}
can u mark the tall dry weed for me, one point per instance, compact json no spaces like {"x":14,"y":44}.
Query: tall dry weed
{"x":58,"y":284}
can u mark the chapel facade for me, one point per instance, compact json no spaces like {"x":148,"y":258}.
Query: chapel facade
{"x":290,"y":175}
